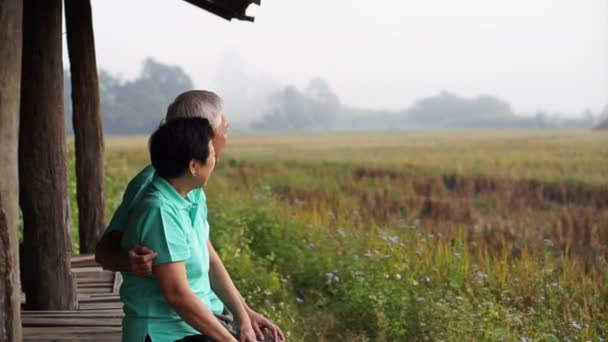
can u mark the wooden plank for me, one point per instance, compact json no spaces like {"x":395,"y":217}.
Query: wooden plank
{"x":88,"y":269}
{"x":94,"y":286}
{"x":117,"y":282}
{"x":83,"y":258}
{"x":70,"y":321}
{"x":101,"y":300}
{"x":102,"y":334}
{"x":69,"y":338}
{"x":95,"y":290}
{"x":96,"y":306}
{"x":80,"y":315}
{"x":101,"y":313}
{"x":68,"y":330}
{"x":95,"y":276}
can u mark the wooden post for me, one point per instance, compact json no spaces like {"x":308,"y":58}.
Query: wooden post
{"x":88,"y":131}
{"x":47,"y":279}
{"x":10,"y":83}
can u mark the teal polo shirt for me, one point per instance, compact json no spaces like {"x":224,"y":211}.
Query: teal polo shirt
{"x":153,"y":214}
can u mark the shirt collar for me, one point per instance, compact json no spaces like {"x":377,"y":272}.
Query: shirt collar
{"x":169,"y":192}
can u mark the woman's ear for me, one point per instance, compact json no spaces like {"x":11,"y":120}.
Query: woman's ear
{"x":192,"y":167}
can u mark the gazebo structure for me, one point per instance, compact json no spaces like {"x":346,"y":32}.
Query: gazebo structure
{"x":33,"y":170}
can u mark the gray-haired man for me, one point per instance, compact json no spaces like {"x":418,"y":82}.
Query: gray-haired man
{"x":139,"y":260}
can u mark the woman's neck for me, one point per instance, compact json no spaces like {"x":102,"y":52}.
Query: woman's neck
{"x":181,"y":185}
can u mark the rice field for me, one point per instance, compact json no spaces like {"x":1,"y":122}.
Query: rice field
{"x":449,"y":236}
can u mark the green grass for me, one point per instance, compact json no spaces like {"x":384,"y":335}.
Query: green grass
{"x":410,"y":236}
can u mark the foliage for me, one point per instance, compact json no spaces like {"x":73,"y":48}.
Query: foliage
{"x":136,"y":106}
{"x":435,"y":236}
{"x":292,"y":110}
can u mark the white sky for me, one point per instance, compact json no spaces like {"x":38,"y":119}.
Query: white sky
{"x":535,"y":54}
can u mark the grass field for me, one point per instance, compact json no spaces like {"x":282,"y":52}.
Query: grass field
{"x":411,"y":236}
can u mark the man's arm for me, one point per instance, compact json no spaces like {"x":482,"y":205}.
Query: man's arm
{"x":220,"y":281}
{"x":110,"y":256}
{"x":223,"y":286}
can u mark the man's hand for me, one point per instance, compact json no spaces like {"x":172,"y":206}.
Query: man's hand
{"x":140,"y":260}
{"x":261,"y":324}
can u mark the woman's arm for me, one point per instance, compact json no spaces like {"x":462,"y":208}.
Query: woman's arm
{"x":173,"y":283}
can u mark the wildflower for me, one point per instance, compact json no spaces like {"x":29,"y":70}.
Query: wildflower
{"x":426,"y":279}
{"x":397,"y":276}
{"x":575,"y":325}
{"x":482,"y":275}
{"x":299,"y":300}
{"x":418,"y":252}
{"x":331,"y":278}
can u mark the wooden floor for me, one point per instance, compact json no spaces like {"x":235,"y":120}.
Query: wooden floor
{"x":99,"y":313}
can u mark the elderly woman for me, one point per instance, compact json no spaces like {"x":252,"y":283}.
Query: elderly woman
{"x":178,"y":302}
{"x":139,"y":259}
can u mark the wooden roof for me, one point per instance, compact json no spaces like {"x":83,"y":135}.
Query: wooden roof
{"x":227,"y":9}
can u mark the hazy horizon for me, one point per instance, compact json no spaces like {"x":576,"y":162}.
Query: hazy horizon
{"x":545,"y":55}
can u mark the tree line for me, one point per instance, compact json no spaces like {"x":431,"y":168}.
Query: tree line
{"x":138,"y":106}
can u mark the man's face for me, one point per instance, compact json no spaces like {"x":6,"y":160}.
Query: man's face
{"x":221,"y":137}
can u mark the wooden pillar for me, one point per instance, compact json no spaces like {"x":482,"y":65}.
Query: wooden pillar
{"x":47,"y":279}
{"x":88,"y":131}
{"x":10,"y":82}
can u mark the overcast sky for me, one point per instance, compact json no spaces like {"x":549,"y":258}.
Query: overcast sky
{"x":535,"y":54}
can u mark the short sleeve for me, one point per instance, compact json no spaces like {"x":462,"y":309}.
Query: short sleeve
{"x":163,"y":232}
{"x":119,"y":219}
{"x":132,"y":194}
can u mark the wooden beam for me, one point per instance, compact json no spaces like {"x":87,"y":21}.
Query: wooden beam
{"x":227,"y":9}
{"x":88,"y":131}
{"x":11,"y":18}
{"x":47,"y":280}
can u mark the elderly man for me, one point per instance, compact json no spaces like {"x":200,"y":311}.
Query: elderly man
{"x":138,"y":261}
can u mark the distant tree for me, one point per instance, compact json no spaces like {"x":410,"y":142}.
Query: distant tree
{"x":139,"y":105}
{"x":588,"y":116}
{"x":324,"y":103}
{"x":447,"y":109}
{"x":290,"y":109}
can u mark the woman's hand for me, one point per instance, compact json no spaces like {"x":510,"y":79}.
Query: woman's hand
{"x":246,"y":333}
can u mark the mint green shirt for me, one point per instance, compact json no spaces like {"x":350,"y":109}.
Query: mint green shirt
{"x":154,"y":215}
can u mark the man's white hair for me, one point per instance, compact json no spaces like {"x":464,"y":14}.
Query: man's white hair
{"x":197,"y":104}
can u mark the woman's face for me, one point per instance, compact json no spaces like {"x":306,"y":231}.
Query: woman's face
{"x":202,"y":172}
{"x":221,"y":137}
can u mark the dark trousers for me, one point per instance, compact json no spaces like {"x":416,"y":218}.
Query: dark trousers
{"x":226,"y":319}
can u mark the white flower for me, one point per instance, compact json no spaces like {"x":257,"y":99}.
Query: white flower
{"x":575,"y":325}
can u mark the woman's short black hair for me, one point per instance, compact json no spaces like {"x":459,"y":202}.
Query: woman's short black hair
{"x":175,"y":143}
